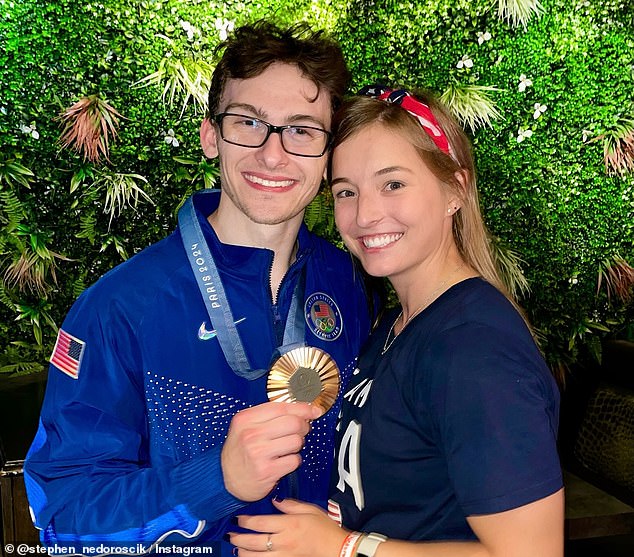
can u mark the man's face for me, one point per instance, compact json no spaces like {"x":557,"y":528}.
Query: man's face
{"x":267,"y":184}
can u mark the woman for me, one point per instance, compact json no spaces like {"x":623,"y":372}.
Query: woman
{"x":448,"y":429}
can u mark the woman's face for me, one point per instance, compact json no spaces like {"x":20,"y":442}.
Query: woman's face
{"x":391,"y":211}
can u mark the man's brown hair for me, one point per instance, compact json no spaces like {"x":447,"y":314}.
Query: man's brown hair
{"x":253,"y":48}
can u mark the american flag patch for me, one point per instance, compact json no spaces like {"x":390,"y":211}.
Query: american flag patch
{"x":322,"y":310}
{"x":68,"y":353}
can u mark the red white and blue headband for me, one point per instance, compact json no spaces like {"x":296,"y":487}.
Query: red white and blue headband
{"x":416,"y":108}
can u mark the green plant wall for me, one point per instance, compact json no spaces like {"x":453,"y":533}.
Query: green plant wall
{"x":561,"y":84}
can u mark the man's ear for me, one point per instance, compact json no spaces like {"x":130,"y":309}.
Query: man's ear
{"x":328,"y":167}
{"x":208,"y":139}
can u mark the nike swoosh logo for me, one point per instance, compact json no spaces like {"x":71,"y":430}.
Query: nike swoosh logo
{"x":204,"y":334}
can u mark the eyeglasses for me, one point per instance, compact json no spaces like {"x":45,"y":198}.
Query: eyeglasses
{"x":247,"y":131}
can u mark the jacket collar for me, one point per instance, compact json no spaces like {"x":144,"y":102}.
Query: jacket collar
{"x":241,"y":259}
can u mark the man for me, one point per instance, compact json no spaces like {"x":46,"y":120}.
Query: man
{"x":156,"y":426}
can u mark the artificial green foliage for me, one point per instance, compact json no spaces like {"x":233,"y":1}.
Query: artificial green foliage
{"x":319,"y":216}
{"x":89,"y":126}
{"x":471,"y":105}
{"x":545,"y":92}
{"x":518,"y":12}
{"x":618,"y":145}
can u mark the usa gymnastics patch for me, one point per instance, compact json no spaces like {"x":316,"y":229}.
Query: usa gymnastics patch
{"x":67,"y":354}
{"x":323,"y":316}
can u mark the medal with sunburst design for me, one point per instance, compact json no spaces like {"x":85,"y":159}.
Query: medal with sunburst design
{"x":305,"y":374}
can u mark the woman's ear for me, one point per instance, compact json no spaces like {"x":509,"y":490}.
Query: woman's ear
{"x":208,"y":138}
{"x":455,"y":201}
{"x":462,"y":177}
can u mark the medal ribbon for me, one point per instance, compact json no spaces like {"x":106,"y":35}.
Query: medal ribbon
{"x":217,"y":304}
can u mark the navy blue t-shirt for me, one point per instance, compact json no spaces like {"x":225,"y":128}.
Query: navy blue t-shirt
{"x":458,"y":417}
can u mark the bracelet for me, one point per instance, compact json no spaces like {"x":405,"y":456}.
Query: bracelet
{"x":349,"y":544}
{"x":368,"y":544}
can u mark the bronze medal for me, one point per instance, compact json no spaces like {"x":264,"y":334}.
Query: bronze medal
{"x":304,"y":374}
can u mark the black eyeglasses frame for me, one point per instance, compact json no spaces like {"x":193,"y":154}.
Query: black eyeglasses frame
{"x":217,"y":118}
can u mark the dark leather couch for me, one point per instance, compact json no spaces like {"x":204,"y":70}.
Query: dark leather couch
{"x":597,"y":450}
{"x":598,"y":421}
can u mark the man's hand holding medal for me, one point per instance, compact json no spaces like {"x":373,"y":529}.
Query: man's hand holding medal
{"x":263,"y":445}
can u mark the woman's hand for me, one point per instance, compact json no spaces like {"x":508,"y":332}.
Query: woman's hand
{"x":304,"y":530}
